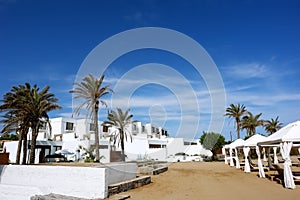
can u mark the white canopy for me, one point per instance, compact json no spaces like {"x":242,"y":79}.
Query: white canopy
{"x":236,"y":143}
{"x":253,"y":140}
{"x":225,"y":153}
{"x":246,"y":145}
{"x":286,"y":136}
{"x":289,"y":133}
{"x":233,"y":146}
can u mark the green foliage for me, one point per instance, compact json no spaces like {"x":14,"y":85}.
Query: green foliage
{"x":273,"y":125}
{"x":9,"y":137}
{"x":25,"y":107}
{"x":88,"y":155}
{"x":250,"y":122}
{"x":247,"y":136}
{"x":212,"y":141}
{"x":120,"y":120}
{"x":236,"y":112}
{"x":91,"y":91}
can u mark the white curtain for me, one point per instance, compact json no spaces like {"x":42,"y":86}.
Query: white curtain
{"x":285,"y":149}
{"x":231,"y":158}
{"x":299,"y":150}
{"x":225,"y":156}
{"x":264,"y":152}
{"x":259,"y":163}
{"x":237,"y":159}
{"x":247,"y":165}
{"x":275,"y":155}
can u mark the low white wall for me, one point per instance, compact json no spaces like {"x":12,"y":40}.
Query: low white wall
{"x":106,"y":154}
{"x":11,"y":147}
{"x":119,"y":172}
{"x":12,"y":192}
{"x":84,"y":182}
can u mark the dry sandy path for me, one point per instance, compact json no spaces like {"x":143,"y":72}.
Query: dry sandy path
{"x":211,"y":180}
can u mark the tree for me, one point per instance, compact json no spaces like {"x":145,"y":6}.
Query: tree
{"x":27,"y":107}
{"x":90,"y":89}
{"x":250,"y":122}
{"x":120,"y":120}
{"x":38,"y":104}
{"x":273,"y":125}
{"x":236,"y":112}
{"x":21,"y":131}
{"x":15,"y":119}
{"x":212,"y":141}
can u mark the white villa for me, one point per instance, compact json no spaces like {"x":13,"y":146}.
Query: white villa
{"x":148,"y":142}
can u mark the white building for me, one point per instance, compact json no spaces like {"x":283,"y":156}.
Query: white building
{"x":148,"y":142}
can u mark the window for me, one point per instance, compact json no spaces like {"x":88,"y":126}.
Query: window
{"x":154,"y":146}
{"x":56,"y":148}
{"x":103,"y":146}
{"x":105,"y":129}
{"x":153,"y":129}
{"x":92,"y":127}
{"x":134,"y":127}
{"x":186,"y":143}
{"x":143,"y":129}
{"x":43,"y":126}
{"x":69,"y":126}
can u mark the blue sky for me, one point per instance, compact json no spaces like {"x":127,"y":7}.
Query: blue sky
{"x":254,"y":44}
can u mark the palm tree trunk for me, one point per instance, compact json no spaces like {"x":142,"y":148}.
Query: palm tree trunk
{"x":238,"y":128}
{"x":32,"y":145}
{"x":95,"y":113}
{"x":122,"y":145}
{"x":24,"y":149}
{"x":19,"y":148}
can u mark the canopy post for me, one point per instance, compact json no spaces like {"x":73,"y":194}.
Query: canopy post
{"x":231,"y":158}
{"x":264,"y":155}
{"x":285,"y":149}
{"x":275,"y":155}
{"x":259,"y":163}
{"x":247,"y":165}
{"x":237,"y":159}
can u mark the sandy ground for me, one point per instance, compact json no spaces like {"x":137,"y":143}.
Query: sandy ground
{"x":211,"y":180}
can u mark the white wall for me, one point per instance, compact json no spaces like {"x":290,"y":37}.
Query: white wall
{"x":106,"y":154}
{"x":119,"y":172}
{"x":138,"y":147}
{"x":14,"y":192}
{"x":83,"y":182}
{"x":11,"y":148}
{"x":82,"y":128}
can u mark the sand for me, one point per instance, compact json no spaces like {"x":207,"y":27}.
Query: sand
{"x":211,"y":180}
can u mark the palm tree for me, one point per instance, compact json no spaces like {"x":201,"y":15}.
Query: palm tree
{"x":120,"y":120}
{"x":92,"y":91}
{"x":19,"y":128}
{"x":236,"y":112}
{"x":38,"y":106}
{"x":28,"y":108}
{"x":250,"y":122}
{"x":15,"y":120}
{"x":273,"y":125}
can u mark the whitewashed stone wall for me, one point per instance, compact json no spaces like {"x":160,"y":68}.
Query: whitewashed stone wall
{"x":83,"y":182}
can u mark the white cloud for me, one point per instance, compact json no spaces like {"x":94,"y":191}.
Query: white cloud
{"x":248,"y":70}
